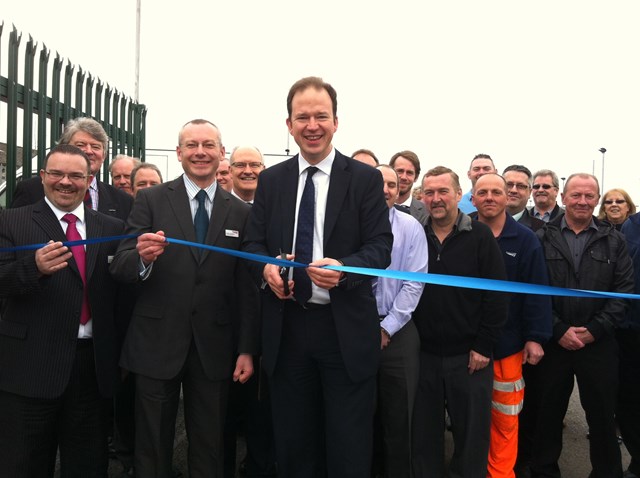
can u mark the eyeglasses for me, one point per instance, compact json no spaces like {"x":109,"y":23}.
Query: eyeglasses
{"x":543,"y":186}
{"x":519,"y":186}
{"x":58,"y":175}
{"x":255,"y":165}
{"x":609,"y":202}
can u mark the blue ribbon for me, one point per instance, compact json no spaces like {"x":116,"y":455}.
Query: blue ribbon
{"x":94,"y":240}
{"x":433,"y":279}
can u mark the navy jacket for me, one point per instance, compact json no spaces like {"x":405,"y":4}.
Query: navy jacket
{"x":529,"y":315}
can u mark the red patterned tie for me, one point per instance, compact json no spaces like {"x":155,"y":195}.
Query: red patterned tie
{"x":79,"y":256}
{"x":87,"y":199}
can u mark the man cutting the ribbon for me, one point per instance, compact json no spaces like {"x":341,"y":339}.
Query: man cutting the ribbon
{"x":321,"y":343}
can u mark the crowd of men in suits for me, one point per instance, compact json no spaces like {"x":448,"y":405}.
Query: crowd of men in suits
{"x":327,"y":372}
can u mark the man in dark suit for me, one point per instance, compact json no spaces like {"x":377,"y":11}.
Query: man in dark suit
{"x":518,"y":179}
{"x":58,"y":352}
{"x":88,"y":135}
{"x":407,"y":166}
{"x":321,"y":344}
{"x":181,"y":330}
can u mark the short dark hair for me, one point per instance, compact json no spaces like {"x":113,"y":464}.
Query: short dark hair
{"x":519,"y":168}
{"x":481,"y":156}
{"x":67,"y":149}
{"x":409,"y":156}
{"x":200,"y":121}
{"x":140,"y":166}
{"x":365,"y":151}
{"x":318,"y":84}
{"x":439,"y":171}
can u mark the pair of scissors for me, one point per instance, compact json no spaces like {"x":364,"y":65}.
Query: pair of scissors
{"x":284,"y":274}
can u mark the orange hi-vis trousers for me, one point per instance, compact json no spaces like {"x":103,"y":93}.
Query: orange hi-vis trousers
{"x":508,"y":397}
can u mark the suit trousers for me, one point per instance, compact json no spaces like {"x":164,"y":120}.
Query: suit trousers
{"x":397,"y":384}
{"x":468,"y":400}
{"x":32,"y":429}
{"x":124,"y":431}
{"x":595,"y":367}
{"x":322,"y":419}
{"x":628,"y":411}
{"x":157,"y":401}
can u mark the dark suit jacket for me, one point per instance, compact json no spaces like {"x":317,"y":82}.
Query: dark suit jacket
{"x":531,"y":222}
{"x":188,"y":295}
{"x":418,"y":210}
{"x":39,"y":326}
{"x":356,"y":231}
{"x":111,"y":201}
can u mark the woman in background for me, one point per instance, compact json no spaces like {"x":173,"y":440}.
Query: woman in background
{"x":616,"y":207}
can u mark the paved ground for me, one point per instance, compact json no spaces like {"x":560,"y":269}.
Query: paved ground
{"x":574,"y":462}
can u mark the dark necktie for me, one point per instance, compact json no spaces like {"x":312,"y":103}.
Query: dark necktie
{"x":87,"y":199}
{"x":304,"y":238}
{"x":201,"y":219}
{"x":79,"y":257}
{"x":403,"y":208}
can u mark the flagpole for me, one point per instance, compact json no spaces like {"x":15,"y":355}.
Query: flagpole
{"x":137,"y":79}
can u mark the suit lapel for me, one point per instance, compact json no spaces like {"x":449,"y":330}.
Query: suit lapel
{"x":94,"y":229}
{"x":288,"y":203}
{"x":219,"y":213}
{"x":179,"y":202}
{"x":45,"y":218}
{"x":338,"y":186}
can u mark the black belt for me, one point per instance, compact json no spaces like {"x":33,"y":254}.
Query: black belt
{"x":310,"y":305}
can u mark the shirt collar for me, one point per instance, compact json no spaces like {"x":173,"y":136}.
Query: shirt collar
{"x":516,"y":217}
{"x":78,"y":211}
{"x":193,"y":188}
{"x":324,"y":165}
{"x":407,"y":202}
{"x":564,"y":225}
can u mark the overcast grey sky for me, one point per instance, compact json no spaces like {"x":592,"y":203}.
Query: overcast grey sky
{"x":545,"y":83}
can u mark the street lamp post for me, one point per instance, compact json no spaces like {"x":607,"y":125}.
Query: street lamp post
{"x":602,"y":150}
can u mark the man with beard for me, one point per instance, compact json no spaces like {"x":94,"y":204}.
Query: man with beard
{"x":407,"y":166}
{"x":58,"y":331}
{"x":545,"y":191}
{"x":458,"y":330}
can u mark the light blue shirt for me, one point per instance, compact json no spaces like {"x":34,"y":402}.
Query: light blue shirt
{"x":397,"y":299}
{"x":465,"y":204}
